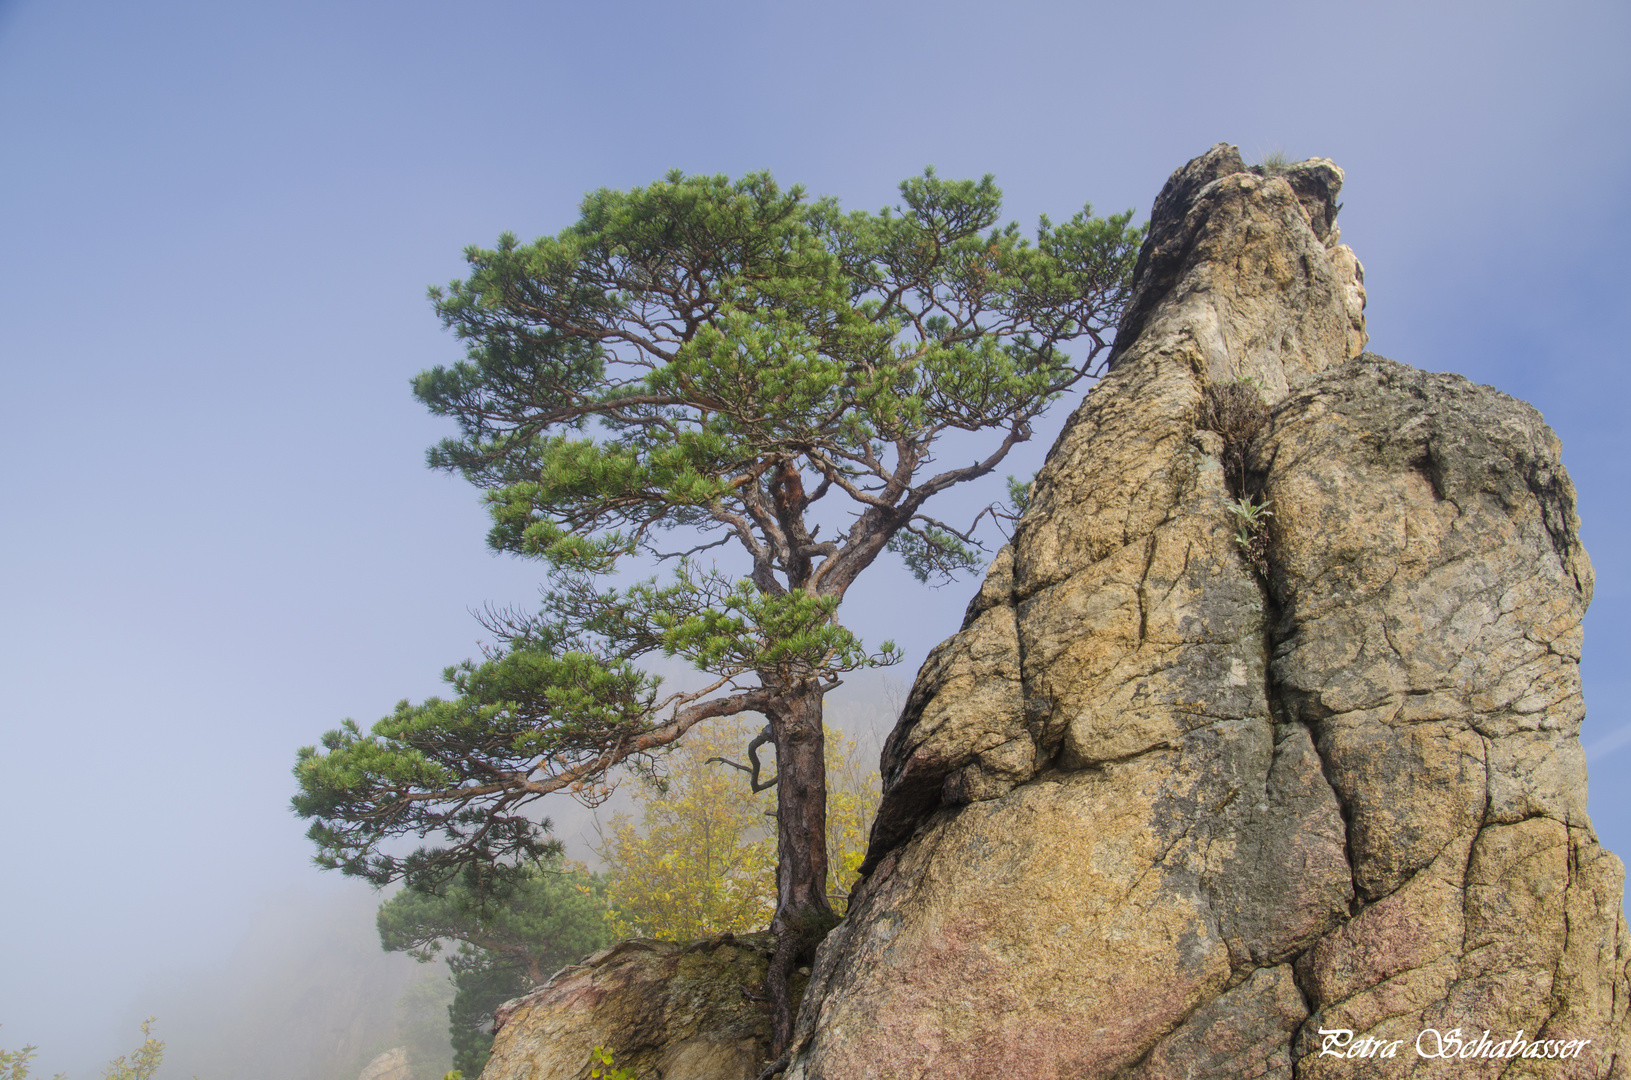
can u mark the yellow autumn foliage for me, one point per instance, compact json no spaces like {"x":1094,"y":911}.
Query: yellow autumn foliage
{"x":702,"y":861}
{"x":853,"y":792}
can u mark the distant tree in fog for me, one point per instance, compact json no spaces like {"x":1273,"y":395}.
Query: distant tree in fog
{"x":507,"y":943}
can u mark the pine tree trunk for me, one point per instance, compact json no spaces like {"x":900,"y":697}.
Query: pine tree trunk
{"x":803,"y":915}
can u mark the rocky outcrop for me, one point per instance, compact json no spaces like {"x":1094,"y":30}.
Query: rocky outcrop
{"x":664,"y":1010}
{"x":1187,"y":789}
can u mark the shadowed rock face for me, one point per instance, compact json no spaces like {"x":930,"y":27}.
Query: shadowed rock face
{"x":1154,"y":812}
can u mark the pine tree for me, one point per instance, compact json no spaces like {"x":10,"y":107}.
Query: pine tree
{"x":695,"y":366}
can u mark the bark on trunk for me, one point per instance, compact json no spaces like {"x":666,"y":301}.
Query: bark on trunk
{"x":801,"y":805}
{"x":803,"y":914}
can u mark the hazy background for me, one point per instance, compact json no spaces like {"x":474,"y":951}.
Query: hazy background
{"x":217,"y":222}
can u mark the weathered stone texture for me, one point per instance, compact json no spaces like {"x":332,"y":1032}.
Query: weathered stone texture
{"x":664,"y":1010}
{"x":1431,"y":584}
{"x":1153,"y":814}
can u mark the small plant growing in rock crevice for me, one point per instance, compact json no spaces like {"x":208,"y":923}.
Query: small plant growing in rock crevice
{"x":1235,"y":410}
{"x":1251,"y":523}
{"x":1237,"y":413}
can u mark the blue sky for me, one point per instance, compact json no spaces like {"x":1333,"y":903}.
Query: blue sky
{"x":217,"y":222}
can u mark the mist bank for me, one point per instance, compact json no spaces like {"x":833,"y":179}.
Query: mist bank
{"x":307,"y":992}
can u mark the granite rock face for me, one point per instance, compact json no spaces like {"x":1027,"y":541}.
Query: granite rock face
{"x":1165,"y":808}
{"x":663,"y":1009}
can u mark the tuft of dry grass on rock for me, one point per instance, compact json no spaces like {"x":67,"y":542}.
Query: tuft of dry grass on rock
{"x":1274,"y":163}
{"x":1236,"y":411}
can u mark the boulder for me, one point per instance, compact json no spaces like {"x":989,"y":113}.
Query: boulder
{"x":1258,"y":732}
{"x":680,"y":1012}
